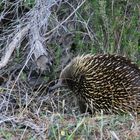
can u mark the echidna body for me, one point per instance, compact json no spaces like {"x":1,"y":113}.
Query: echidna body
{"x":103,"y":82}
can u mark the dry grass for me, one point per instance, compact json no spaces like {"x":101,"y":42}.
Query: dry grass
{"x":31,"y":115}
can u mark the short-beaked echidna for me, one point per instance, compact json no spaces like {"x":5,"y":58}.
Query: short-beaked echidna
{"x":105,"y":82}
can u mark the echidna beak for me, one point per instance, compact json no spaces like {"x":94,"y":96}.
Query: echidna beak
{"x":56,"y":86}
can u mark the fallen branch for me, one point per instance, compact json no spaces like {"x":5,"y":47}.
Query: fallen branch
{"x":14,"y":43}
{"x":39,"y":24}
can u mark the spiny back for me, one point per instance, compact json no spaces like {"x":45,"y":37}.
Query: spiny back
{"x":104,"y":82}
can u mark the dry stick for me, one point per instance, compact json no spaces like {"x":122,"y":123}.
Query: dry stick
{"x":66,"y":18}
{"x":15,"y":42}
{"x":122,"y":29}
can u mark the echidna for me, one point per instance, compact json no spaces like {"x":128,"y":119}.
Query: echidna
{"x":103,"y":82}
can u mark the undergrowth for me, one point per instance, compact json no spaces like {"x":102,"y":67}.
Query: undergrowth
{"x":28,"y":110}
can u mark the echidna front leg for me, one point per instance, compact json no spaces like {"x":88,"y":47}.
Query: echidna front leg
{"x":84,"y":108}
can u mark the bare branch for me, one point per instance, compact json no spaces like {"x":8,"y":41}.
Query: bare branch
{"x":14,"y":43}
